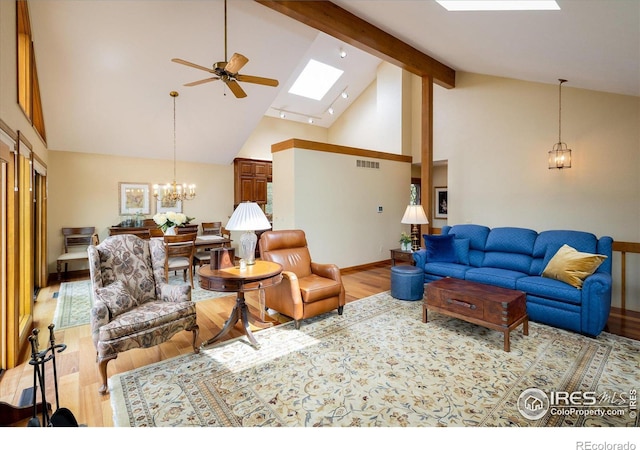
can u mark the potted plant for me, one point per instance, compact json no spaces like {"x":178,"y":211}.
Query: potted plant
{"x":405,"y":242}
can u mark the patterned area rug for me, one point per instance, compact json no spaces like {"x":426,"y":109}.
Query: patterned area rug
{"x":75,"y":301}
{"x":379,"y":365}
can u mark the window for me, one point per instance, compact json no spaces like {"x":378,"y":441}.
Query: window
{"x":28,"y":88}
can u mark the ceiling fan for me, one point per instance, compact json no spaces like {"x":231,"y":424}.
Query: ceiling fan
{"x":227,"y":71}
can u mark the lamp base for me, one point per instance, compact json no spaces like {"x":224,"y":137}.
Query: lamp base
{"x":247,"y":248}
{"x":415,"y":238}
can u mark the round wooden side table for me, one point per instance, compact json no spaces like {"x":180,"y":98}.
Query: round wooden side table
{"x":260,"y":275}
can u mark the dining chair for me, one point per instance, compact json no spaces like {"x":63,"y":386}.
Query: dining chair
{"x":187,"y":229}
{"x":179,"y":250}
{"x":76,"y":240}
{"x":212,"y":228}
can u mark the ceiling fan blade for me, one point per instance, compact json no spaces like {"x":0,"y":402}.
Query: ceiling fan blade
{"x":236,"y":89}
{"x":206,"y":80}
{"x":190,"y":64}
{"x":236,"y":63}
{"x":257,"y":80}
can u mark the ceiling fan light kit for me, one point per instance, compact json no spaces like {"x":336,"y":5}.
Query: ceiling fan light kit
{"x":227,"y":70}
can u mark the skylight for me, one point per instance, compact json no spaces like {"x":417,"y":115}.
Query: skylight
{"x":315,"y":80}
{"x":499,"y":5}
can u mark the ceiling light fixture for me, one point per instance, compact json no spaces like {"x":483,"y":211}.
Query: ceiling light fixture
{"x":499,"y":5}
{"x":284,"y":112}
{"x":331,"y":110}
{"x":171,"y":193}
{"x":560,"y":156}
{"x":343,"y":54}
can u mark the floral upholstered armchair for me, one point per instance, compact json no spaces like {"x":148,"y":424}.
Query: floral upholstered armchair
{"x":134,"y":306}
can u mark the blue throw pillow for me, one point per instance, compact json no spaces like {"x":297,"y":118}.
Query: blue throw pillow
{"x":440,"y":248}
{"x":461,"y":246}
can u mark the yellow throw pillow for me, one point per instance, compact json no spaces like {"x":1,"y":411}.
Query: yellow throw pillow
{"x":572,"y":266}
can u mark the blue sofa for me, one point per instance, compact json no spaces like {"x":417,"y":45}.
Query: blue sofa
{"x":515,"y":258}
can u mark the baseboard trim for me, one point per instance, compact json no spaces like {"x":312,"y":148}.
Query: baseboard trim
{"x":367,"y":266}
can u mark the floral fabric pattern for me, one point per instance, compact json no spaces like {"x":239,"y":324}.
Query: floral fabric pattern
{"x":116,"y":297}
{"x":160,"y":310}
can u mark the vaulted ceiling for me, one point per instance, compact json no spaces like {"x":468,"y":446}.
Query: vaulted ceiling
{"x":105,"y":67}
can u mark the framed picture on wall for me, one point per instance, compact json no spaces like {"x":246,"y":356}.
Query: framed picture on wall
{"x":440,"y":203}
{"x":134,"y":198}
{"x":163,"y":206}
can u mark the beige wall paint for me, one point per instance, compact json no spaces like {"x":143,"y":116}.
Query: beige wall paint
{"x":495,"y":134}
{"x":83,"y":191}
{"x":271,"y":130}
{"x":337,"y":203}
{"x":377,"y":119}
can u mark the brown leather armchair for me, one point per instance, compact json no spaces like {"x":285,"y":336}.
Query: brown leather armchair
{"x":307,"y":288}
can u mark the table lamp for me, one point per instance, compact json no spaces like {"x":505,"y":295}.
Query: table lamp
{"x":248,"y":217}
{"x":414,"y":215}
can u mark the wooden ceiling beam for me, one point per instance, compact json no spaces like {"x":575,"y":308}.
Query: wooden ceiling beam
{"x":349,"y":28}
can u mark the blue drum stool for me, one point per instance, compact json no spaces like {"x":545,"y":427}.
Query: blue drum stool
{"x":407,"y":283}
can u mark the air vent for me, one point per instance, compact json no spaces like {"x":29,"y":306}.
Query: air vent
{"x":367,"y":164}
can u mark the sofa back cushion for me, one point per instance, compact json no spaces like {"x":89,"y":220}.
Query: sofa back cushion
{"x":510,"y":248}
{"x":477,"y":235}
{"x":549,"y":242}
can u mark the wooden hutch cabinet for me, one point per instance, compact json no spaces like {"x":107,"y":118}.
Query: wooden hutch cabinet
{"x":250,"y":180}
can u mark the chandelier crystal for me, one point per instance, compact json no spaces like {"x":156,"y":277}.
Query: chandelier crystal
{"x":173,"y":192}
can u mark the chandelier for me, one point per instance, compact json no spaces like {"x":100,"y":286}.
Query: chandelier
{"x":173,"y":192}
{"x":560,"y":156}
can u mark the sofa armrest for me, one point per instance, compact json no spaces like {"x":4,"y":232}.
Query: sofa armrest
{"x":420,"y":258}
{"x":326,"y":270}
{"x":596,"y":303}
{"x":175,"y":292}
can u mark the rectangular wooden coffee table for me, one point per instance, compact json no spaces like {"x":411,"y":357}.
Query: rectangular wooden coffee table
{"x":493,"y":307}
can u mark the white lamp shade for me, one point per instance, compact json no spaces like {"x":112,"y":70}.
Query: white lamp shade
{"x":414,"y":214}
{"x":248,"y":216}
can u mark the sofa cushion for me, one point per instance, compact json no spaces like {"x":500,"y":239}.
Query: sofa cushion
{"x":510,"y":248}
{"x":445,"y":269}
{"x":117,"y":298}
{"x":496,"y":277}
{"x":477,"y":235}
{"x":550,"y":289}
{"x":440,"y":248}
{"x":462,"y":250}
{"x":511,"y":240}
{"x":549,"y":242}
{"x":572,"y":266}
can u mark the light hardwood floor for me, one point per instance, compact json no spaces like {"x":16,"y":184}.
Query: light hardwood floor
{"x":77,"y":370}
